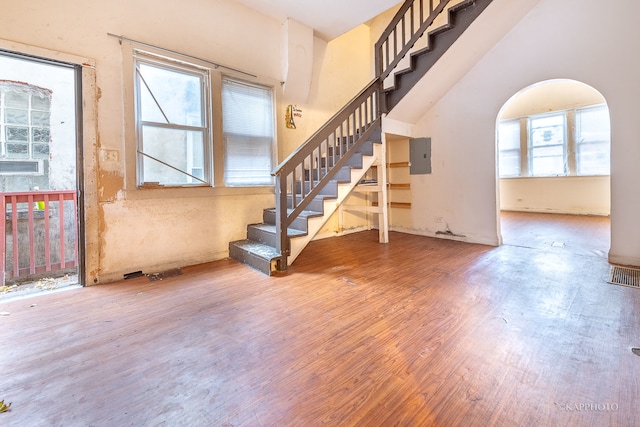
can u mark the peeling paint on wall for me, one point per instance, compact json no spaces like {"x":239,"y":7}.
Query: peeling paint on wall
{"x":109,"y":185}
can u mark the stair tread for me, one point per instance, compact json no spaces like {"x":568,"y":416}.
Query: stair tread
{"x":259,"y":249}
{"x":304,"y":213}
{"x":270,"y":228}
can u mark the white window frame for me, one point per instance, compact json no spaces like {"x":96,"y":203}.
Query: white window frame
{"x":205,"y":127}
{"x":563,"y":145}
{"x":570,"y":145}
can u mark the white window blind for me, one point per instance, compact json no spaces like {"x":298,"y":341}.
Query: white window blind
{"x":248,"y":128}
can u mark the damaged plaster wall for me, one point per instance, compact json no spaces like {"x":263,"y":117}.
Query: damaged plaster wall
{"x":155,"y":230}
{"x":158,"y":229}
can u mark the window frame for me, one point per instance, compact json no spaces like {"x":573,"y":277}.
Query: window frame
{"x":571,"y":144}
{"x":531,"y":147}
{"x":141,"y":57}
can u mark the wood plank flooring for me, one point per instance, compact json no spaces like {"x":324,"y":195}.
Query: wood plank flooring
{"x":417,"y":332}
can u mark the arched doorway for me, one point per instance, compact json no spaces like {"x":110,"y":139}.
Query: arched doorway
{"x":554,"y":158}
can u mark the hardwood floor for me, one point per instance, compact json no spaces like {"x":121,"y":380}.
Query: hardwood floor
{"x":418,"y":332}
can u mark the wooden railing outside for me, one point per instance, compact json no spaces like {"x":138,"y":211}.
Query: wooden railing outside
{"x":39,"y":234}
{"x":303,"y":174}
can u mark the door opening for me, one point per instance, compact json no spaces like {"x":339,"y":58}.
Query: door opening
{"x":40,"y":174}
{"x":553,"y":143}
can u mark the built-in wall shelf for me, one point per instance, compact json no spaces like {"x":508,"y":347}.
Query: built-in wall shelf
{"x":400,"y":186}
{"x":399,"y":171}
{"x":400,"y":205}
{"x":398,"y":164}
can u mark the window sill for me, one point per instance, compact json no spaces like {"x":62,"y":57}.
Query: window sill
{"x":556,"y":176}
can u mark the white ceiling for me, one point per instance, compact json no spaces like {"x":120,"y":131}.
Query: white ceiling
{"x":329,"y":18}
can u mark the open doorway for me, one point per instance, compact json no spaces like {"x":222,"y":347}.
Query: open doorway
{"x":554,"y":168}
{"x":39,"y":140}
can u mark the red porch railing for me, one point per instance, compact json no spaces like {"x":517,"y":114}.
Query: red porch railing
{"x":39,"y":233}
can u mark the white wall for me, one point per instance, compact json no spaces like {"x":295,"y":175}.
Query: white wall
{"x":580,"y":195}
{"x":581,"y":40}
{"x":153,"y":230}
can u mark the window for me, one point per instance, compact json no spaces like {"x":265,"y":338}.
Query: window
{"x":190,"y":116}
{"x":25,"y":112}
{"x":547,"y":145}
{"x":247,"y":117}
{"x":509,"y":144}
{"x":565,"y":143}
{"x":172,"y":114}
{"x":593,"y":147}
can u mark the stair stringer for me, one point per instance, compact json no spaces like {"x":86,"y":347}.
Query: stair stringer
{"x":442,"y":23}
{"x":315,"y":224}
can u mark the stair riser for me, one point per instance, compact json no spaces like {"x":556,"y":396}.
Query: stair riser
{"x":353,"y":161}
{"x":300,"y":223}
{"x":261,"y":236}
{"x":343,"y":175}
{"x":316,"y":205}
{"x":331,"y":189}
{"x":247,"y":258}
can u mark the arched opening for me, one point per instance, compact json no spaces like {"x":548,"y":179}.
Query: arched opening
{"x":554,"y":158}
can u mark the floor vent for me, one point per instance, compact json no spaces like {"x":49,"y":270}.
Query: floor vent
{"x":624,"y":276}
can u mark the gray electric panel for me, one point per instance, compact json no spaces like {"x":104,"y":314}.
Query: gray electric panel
{"x":420,"y":156}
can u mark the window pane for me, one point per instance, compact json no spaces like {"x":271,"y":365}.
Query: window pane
{"x":171,"y":154}
{"x":39,"y":118}
{"x":593,"y":158}
{"x":593,"y":141}
{"x":17,"y":100}
{"x":170,"y":96}
{"x":16,"y":117}
{"x":509,"y":148}
{"x":547,"y":166}
{"x":248,"y":160}
{"x":40,"y":103}
{"x":247,"y":115}
{"x":40,"y":135}
{"x":17,"y":133}
{"x":18,"y":151}
{"x":41,"y":151}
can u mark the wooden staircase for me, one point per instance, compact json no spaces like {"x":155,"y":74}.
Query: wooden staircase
{"x":259,"y":251}
{"x":316,"y":178}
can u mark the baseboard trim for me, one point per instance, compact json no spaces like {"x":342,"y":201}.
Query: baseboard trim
{"x":624,"y":260}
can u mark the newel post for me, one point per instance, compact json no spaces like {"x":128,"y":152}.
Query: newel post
{"x":282,"y":241}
